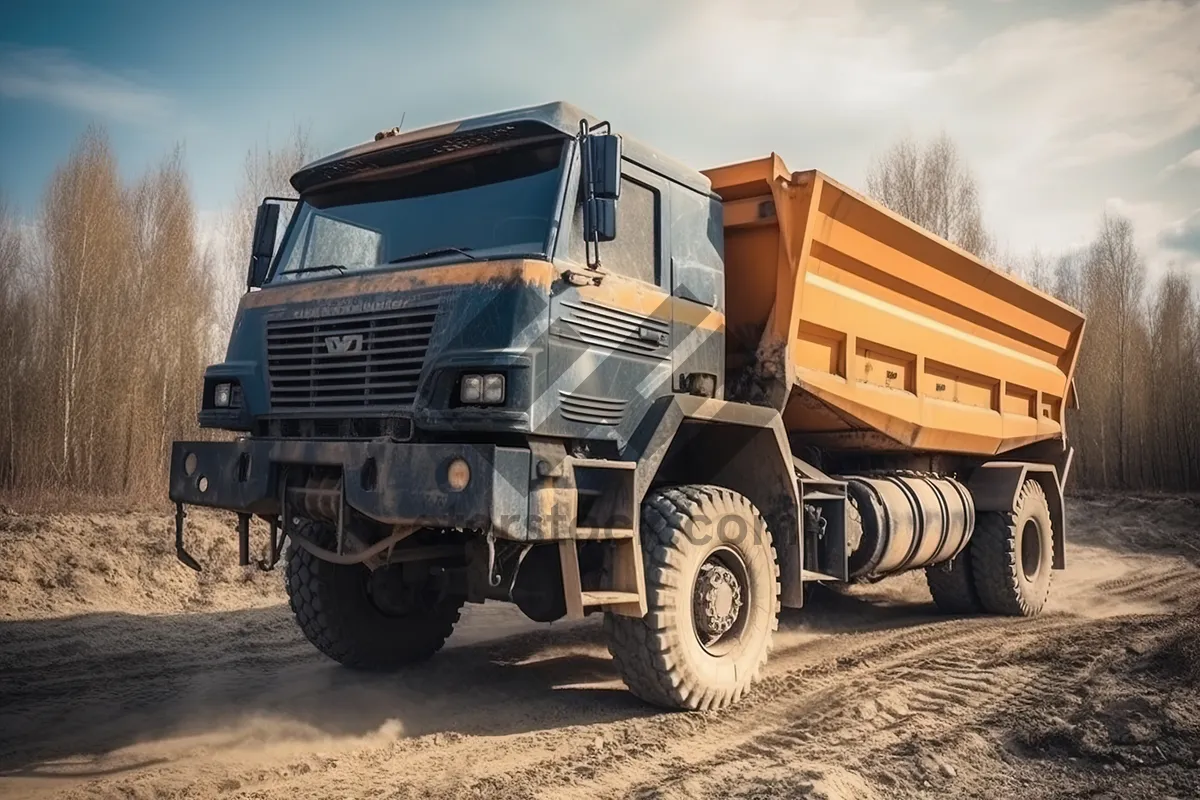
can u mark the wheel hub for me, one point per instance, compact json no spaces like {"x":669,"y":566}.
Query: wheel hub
{"x":389,"y":592}
{"x":717,"y":600}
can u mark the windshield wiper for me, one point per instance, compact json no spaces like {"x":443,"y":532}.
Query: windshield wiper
{"x":322,"y":268}
{"x":437,"y":251}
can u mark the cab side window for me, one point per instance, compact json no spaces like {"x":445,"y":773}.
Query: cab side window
{"x":634,"y":253}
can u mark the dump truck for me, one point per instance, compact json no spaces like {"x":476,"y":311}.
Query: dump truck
{"x":523,"y":358}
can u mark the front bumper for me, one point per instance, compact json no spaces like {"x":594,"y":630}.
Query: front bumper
{"x":396,"y":483}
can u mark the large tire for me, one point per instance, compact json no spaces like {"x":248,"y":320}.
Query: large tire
{"x":1012,"y":555}
{"x":692,"y":533}
{"x":953,"y":587}
{"x":335,"y":610}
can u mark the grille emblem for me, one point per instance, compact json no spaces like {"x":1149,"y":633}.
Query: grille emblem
{"x":350,"y":343}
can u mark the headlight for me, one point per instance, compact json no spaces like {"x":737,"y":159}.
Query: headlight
{"x":221,"y":394}
{"x":471,"y":390}
{"x":478,"y":389}
{"x":493,"y":388}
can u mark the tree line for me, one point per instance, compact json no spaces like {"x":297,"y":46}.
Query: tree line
{"x":1138,"y":377}
{"x":112,"y":303}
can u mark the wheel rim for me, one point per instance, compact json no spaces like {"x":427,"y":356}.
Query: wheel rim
{"x":1031,"y":550}
{"x":721,"y":601}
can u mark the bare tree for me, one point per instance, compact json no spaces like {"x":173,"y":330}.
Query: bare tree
{"x":1173,"y":371}
{"x":174,"y":308}
{"x":87,"y":237}
{"x":1138,"y":369}
{"x":267,"y":171}
{"x":929,"y":184}
{"x":109,"y":310}
{"x":16,"y":341}
{"x":1122,"y":273}
{"x":1038,"y":271}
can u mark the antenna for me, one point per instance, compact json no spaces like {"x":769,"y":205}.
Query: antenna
{"x":392,"y":131}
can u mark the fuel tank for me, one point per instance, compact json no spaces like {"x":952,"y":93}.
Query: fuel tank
{"x":908,"y":521}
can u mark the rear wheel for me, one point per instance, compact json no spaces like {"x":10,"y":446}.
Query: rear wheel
{"x":712,"y":588}
{"x":1012,"y":554}
{"x":952,"y":585}
{"x":365,"y":619}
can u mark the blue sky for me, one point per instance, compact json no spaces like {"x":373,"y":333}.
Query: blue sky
{"x":1062,"y":108}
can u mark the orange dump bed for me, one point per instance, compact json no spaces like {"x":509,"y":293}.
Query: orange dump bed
{"x":879,"y":335}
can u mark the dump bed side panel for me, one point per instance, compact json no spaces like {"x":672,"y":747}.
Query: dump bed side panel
{"x":895,"y":338}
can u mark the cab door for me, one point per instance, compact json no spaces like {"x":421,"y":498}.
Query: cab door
{"x":610,"y":344}
{"x":698,"y":292}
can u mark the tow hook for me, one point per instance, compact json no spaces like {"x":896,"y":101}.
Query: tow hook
{"x":180,"y":551}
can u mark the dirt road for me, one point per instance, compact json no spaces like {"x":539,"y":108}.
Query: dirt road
{"x":121,"y":675}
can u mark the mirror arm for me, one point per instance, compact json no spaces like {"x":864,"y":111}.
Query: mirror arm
{"x":591,"y":243}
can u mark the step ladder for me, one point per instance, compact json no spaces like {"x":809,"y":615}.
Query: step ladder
{"x":611,"y":516}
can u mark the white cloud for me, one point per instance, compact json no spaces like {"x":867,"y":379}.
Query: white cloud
{"x":1053,"y":92}
{"x":1190,"y":161}
{"x":1183,"y":236}
{"x":1058,"y":114}
{"x":57,"y":77}
{"x":1054,"y":113}
{"x":1077,"y":92}
{"x":1165,"y":240}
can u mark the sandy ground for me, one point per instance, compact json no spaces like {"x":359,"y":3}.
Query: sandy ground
{"x":124,"y":675}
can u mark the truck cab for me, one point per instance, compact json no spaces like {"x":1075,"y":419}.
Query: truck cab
{"x":475,"y":241}
{"x":437,"y":285}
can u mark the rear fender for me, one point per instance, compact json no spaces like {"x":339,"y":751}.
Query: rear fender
{"x":994,"y":486}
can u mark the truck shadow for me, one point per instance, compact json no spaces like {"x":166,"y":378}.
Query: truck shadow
{"x":75,"y":690}
{"x":861,"y":608}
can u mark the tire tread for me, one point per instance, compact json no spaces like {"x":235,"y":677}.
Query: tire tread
{"x":326,"y":614}
{"x":644,"y":650}
{"x":995,"y":562}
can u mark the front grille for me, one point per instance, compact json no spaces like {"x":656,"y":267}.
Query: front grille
{"x":353,"y":361}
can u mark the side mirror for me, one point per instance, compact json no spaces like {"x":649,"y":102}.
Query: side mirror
{"x":262,"y":247}
{"x":600,"y":219}
{"x":604,"y":158}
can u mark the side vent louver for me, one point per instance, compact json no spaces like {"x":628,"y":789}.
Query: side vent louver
{"x":591,"y":410}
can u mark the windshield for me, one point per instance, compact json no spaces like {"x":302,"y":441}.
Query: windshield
{"x":480,"y":207}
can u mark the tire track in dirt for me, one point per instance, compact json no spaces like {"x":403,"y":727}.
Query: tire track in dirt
{"x":1151,"y":584}
{"x":864,"y":710}
{"x":775,"y":723}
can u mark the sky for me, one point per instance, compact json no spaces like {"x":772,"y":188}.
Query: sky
{"x":1063,"y":109}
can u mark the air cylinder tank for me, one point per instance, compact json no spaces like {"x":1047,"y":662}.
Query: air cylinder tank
{"x":909,"y":521}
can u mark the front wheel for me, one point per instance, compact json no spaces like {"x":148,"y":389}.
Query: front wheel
{"x":363,"y":619}
{"x":712,"y":589}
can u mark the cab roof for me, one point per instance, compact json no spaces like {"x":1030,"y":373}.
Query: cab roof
{"x":490,"y":128}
